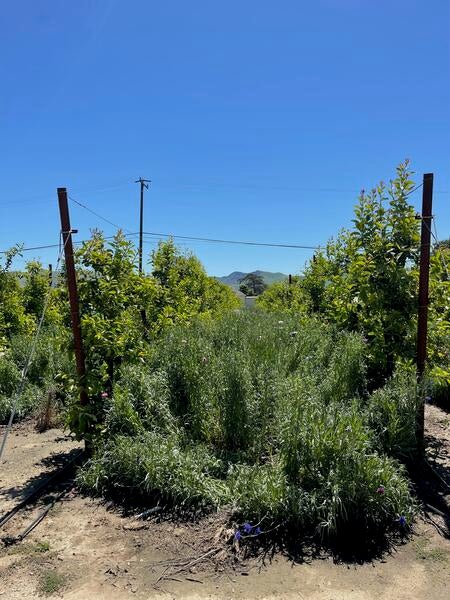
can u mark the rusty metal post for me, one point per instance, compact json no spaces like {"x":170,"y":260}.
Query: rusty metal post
{"x":424,"y":276}
{"x":72,"y":289}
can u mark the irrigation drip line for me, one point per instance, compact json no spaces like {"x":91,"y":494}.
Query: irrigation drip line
{"x":29,"y":359}
{"x":8,"y":540}
{"x":7,"y":516}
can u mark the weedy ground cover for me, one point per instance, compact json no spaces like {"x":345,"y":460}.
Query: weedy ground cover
{"x":267,"y":414}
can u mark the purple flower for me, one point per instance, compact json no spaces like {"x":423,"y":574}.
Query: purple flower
{"x":248,"y":528}
{"x":402,"y":521}
{"x":237,"y":535}
{"x":257,"y":531}
{"x":380,"y":489}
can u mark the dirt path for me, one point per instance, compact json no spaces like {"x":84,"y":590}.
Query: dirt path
{"x":86,"y":550}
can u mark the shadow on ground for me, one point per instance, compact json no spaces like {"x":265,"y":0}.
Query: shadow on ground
{"x":53,"y":474}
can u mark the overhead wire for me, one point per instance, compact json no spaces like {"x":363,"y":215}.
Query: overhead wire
{"x":239,"y":242}
{"x":118,"y":227}
{"x":188,"y":237}
{"x":47,"y":246}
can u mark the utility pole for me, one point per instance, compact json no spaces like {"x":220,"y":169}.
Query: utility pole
{"x":424,"y":276}
{"x":144,"y":184}
{"x":50,"y":275}
{"x":73,"y":294}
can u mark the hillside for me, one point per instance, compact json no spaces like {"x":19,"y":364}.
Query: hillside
{"x":233,"y":278}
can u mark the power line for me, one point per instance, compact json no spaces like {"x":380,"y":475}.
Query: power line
{"x":182,"y":237}
{"x":239,"y":242}
{"x":144,"y":183}
{"x":97,"y":214}
{"x":45,"y":247}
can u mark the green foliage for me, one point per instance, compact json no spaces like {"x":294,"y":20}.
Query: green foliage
{"x":439,"y":321}
{"x":111,"y":293}
{"x":260,"y":411}
{"x":329,"y":455}
{"x":392,"y":412}
{"x":13,"y":317}
{"x":122,"y":311}
{"x":252,"y":285}
{"x":51,"y":582}
{"x":282,"y":296}
{"x":154,"y":466}
{"x":35,"y":292}
{"x":366,"y":280}
{"x":184,"y":289}
{"x":44,"y":371}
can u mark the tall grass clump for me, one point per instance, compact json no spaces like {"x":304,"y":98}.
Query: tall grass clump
{"x":392,"y":414}
{"x":268,"y":414}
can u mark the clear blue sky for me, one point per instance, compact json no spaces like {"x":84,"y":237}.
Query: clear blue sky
{"x":255,"y":120}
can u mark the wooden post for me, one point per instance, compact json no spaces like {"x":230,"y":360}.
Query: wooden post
{"x":73,"y":295}
{"x":50,"y":275}
{"x":144,"y":184}
{"x":290,"y":279}
{"x":424,"y":276}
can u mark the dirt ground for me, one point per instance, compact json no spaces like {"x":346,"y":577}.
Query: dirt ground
{"x":85,"y":549}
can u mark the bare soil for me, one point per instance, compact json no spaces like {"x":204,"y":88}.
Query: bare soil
{"x":86,"y":549}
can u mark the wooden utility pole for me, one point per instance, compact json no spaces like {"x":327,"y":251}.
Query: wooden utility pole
{"x":73,"y":294}
{"x":424,"y":276}
{"x":144,"y":184}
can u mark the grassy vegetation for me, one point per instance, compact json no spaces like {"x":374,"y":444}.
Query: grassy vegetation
{"x":44,"y":390}
{"x":268,"y":414}
{"x":301,"y":413}
{"x":51,"y":582}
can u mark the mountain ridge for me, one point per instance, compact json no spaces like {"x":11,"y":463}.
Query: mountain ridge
{"x":269,"y":277}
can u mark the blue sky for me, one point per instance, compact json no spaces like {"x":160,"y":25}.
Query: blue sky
{"x":254,"y":120}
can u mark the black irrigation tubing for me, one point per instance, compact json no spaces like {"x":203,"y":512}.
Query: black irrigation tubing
{"x":436,"y":475}
{"x":44,"y":484}
{"x":10,"y":540}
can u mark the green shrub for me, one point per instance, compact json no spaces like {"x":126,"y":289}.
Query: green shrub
{"x":392,"y":414}
{"x":25,"y":404}
{"x":156,"y":467}
{"x":140,"y":401}
{"x":9,"y":377}
{"x":267,"y":413}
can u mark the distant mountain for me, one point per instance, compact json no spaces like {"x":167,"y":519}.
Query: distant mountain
{"x":233,"y":278}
